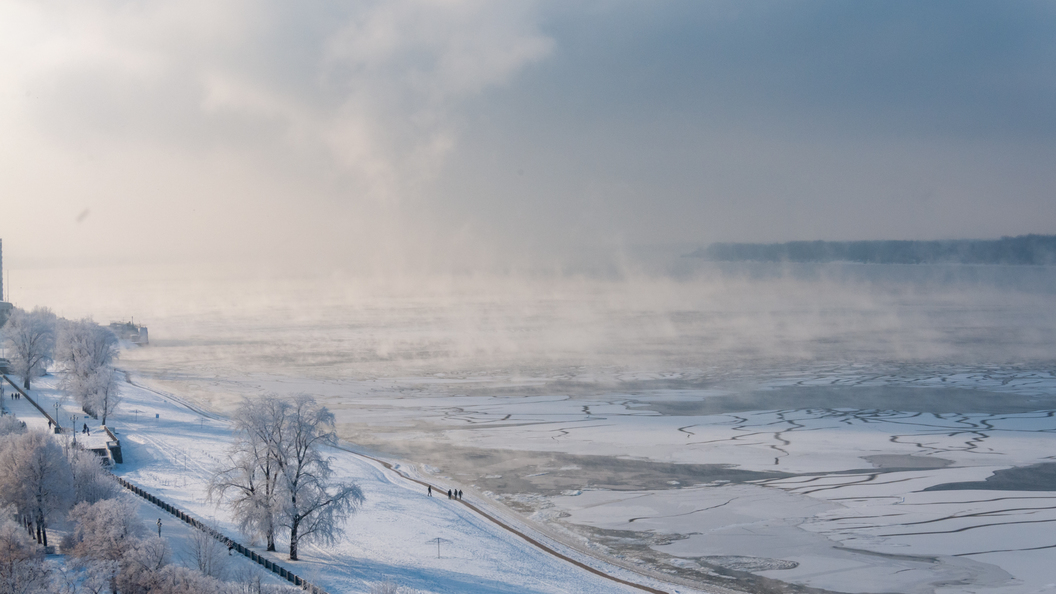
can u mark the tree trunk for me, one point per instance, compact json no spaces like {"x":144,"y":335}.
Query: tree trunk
{"x":271,"y":541}
{"x":293,"y":538}
{"x":25,"y":382}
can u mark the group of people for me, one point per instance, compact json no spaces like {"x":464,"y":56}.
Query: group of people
{"x":16,"y":395}
{"x":451,"y":494}
{"x":85,"y":430}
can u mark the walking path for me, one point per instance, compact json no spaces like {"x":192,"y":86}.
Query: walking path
{"x":37,"y":416}
{"x":441,"y":492}
{"x":47,"y":395}
{"x":536,"y":542}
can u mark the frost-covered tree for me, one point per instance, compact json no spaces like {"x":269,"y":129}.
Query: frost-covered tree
{"x":314,"y":505}
{"x":279,"y":474}
{"x":105,"y":393}
{"x":31,"y":338}
{"x":105,"y":530}
{"x":250,"y":482}
{"x":85,"y":350}
{"x":22,"y":567}
{"x":35,"y":478}
{"x":91,"y":483}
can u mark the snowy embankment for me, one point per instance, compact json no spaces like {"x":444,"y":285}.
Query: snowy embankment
{"x":428,"y":544}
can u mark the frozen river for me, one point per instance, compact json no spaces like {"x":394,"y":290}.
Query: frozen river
{"x":848,"y":428}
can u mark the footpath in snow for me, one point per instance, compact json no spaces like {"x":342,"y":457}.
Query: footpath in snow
{"x":421,"y":543}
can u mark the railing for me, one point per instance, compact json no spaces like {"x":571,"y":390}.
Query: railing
{"x":115,"y":451}
{"x":31,"y":401}
{"x":268,"y":564}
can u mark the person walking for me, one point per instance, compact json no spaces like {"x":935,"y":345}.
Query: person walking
{"x":460,"y":494}
{"x":429,"y":490}
{"x":449,"y":493}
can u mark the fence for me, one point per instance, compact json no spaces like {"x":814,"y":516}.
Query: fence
{"x":268,"y":564}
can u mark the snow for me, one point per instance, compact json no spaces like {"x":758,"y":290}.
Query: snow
{"x":843,"y":521}
{"x":170,"y":450}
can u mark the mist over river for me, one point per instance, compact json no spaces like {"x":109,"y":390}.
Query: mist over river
{"x":670,"y":415}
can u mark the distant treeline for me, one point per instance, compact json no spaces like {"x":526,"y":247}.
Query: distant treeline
{"x":1024,"y":249}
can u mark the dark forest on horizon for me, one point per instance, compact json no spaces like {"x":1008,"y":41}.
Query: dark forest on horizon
{"x":1023,"y":249}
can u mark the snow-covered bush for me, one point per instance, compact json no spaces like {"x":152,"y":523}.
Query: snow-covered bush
{"x":91,"y":483}
{"x":105,"y":530}
{"x":9,"y":425}
{"x":386,"y":587}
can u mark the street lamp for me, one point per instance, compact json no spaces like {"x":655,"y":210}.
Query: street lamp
{"x":57,"y":428}
{"x":73,"y":428}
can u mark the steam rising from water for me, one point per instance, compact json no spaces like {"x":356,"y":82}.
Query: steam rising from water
{"x":685,"y":316}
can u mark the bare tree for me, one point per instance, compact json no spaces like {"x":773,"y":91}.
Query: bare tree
{"x":250,"y":482}
{"x":279,"y":476}
{"x":85,"y":349}
{"x":314,"y":505}
{"x":31,"y":337}
{"x":207,"y":554}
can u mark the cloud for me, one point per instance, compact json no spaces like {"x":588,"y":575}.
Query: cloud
{"x":401,"y":134}
{"x":315,"y":112}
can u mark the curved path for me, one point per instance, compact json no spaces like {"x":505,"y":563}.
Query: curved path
{"x":477,"y":510}
{"x":507,"y":527}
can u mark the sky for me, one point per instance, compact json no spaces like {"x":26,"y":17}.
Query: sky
{"x":461,"y":134}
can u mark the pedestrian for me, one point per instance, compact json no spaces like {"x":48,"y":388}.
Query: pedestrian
{"x":429,"y":489}
{"x":460,"y":494}
{"x":449,"y":493}
{"x":84,"y":429}
{"x":49,"y":424}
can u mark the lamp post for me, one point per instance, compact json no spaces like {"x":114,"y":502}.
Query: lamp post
{"x":57,"y":428}
{"x":73,"y":428}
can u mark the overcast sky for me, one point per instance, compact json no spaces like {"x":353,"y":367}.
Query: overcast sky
{"x":440,"y":133}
